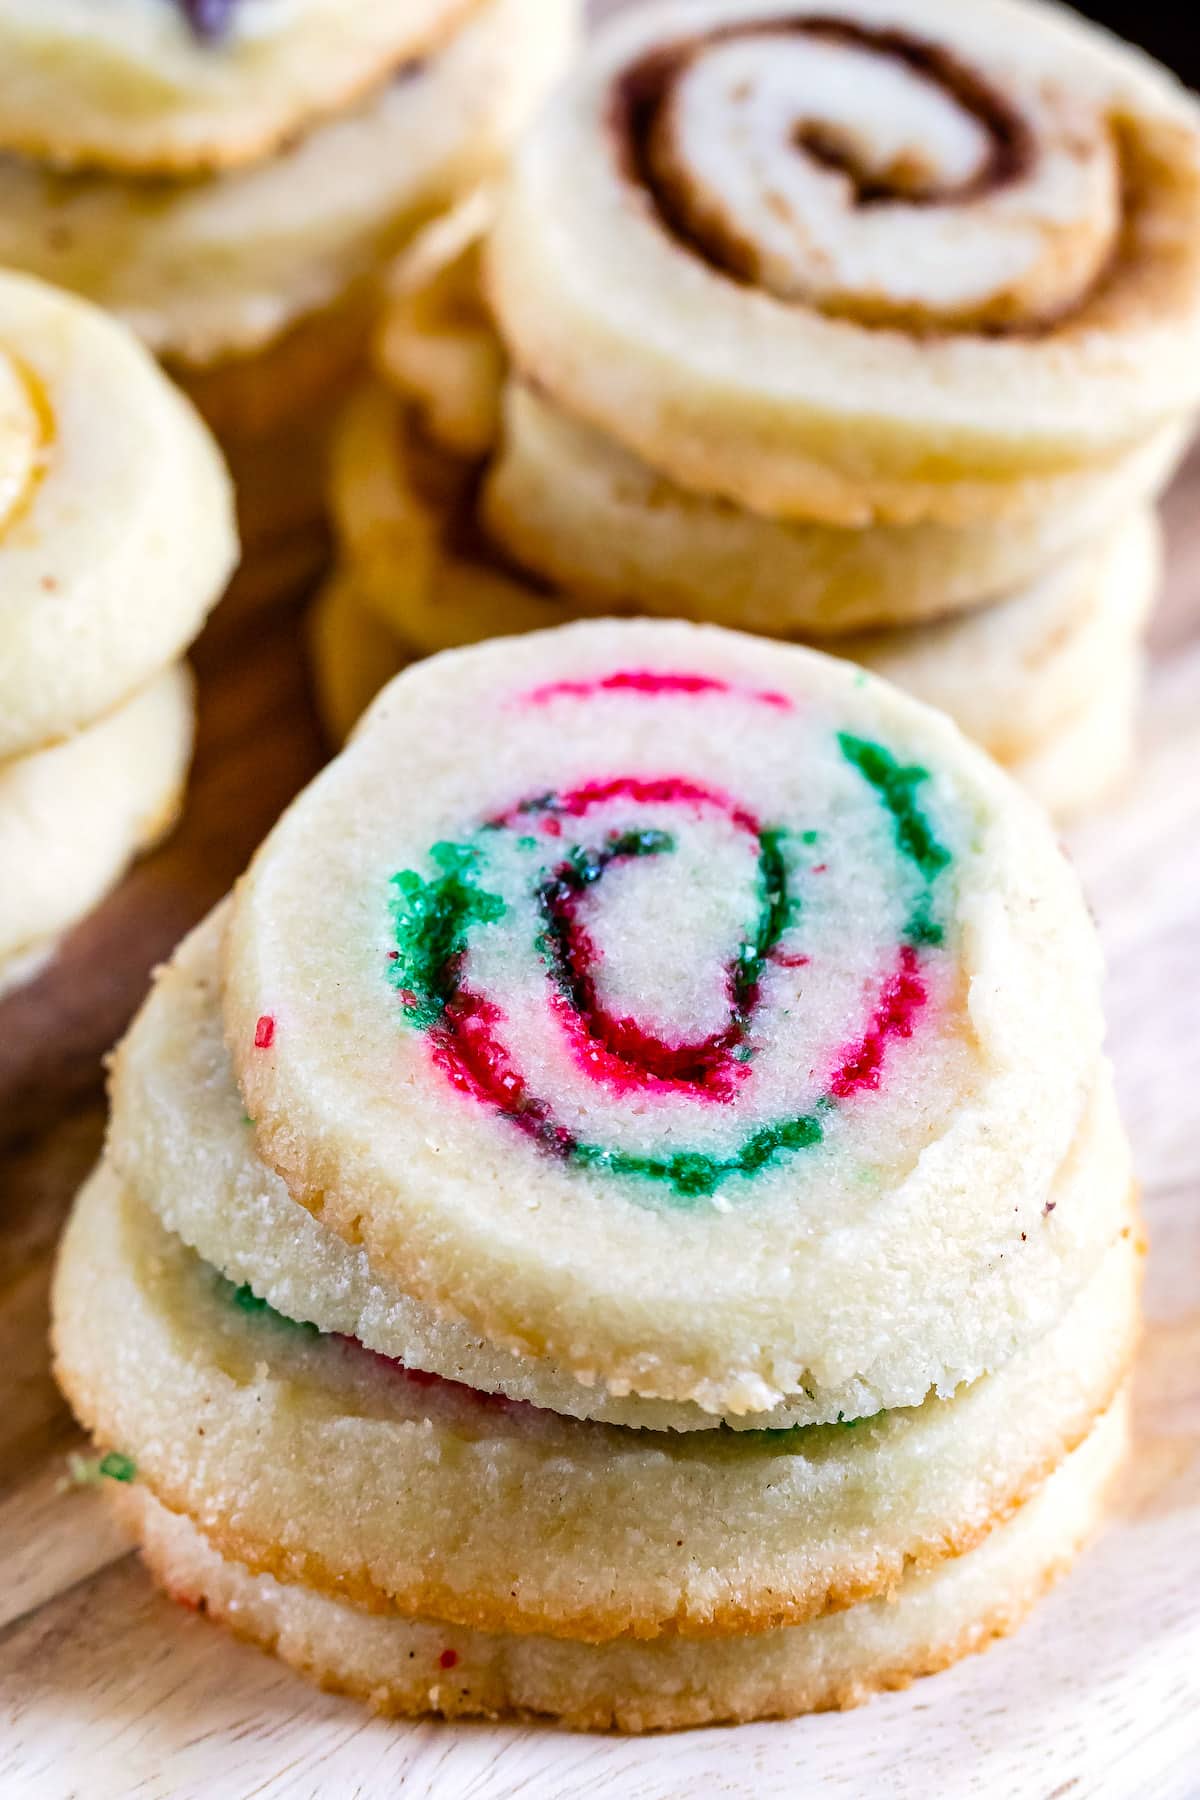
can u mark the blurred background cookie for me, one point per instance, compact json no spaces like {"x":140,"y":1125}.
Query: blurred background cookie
{"x":189,"y":86}
{"x":116,"y":539}
{"x":73,"y":816}
{"x":636,"y":390}
{"x":274,"y":167}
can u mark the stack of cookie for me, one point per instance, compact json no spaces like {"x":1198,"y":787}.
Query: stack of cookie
{"x":872,"y":324}
{"x":116,"y":537}
{"x":230,"y":178}
{"x":623,"y":1215}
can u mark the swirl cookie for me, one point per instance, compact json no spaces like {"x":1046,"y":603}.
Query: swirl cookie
{"x":210,"y":270}
{"x":180,"y":1138}
{"x":305,"y":1456}
{"x":568,"y":503}
{"x":184,"y":86}
{"x":863,"y":261}
{"x":116,"y":526}
{"x":468,"y":1044}
{"x":74,"y":816}
{"x":405,"y":1666}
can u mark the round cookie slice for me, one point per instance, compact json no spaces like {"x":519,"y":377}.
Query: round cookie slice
{"x":72,"y":817}
{"x":859,"y":260}
{"x":406,"y":1666}
{"x":570,"y":504}
{"x":306,"y":1456}
{"x":184,"y":86}
{"x":180,"y":1137}
{"x":206,"y":270}
{"x":699,"y":1013}
{"x":116,"y":517}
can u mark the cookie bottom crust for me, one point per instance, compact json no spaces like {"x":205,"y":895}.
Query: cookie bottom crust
{"x":408,"y":1667}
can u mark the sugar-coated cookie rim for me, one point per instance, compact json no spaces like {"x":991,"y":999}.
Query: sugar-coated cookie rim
{"x":230,"y":1449}
{"x":130,"y":591}
{"x":146,"y":1130}
{"x":183,"y":1563}
{"x":787,"y":411}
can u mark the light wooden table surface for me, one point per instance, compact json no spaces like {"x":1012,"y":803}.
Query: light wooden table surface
{"x":106,"y":1690}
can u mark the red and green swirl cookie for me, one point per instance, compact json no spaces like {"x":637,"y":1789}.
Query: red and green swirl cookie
{"x":536,"y":875}
{"x":698,"y":1013}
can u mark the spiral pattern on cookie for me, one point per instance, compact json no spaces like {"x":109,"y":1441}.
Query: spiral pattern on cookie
{"x":858,"y":260}
{"x":871,"y":172}
{"x":517,"y":949}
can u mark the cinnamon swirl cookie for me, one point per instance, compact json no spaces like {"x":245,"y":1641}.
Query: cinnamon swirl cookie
{"x":868,"y":261}
{"x":184,"y":86}
{"x":466,"y":1043}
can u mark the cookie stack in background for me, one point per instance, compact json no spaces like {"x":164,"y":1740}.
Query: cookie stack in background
{"x":623,"y":1215}
{"x":231,"y":178}
{"x":116,"y":538}
{"x":864,"y":323}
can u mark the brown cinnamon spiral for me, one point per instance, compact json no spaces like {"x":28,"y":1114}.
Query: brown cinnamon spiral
{"x":870,"y":172}
{"x":859,"y":259}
